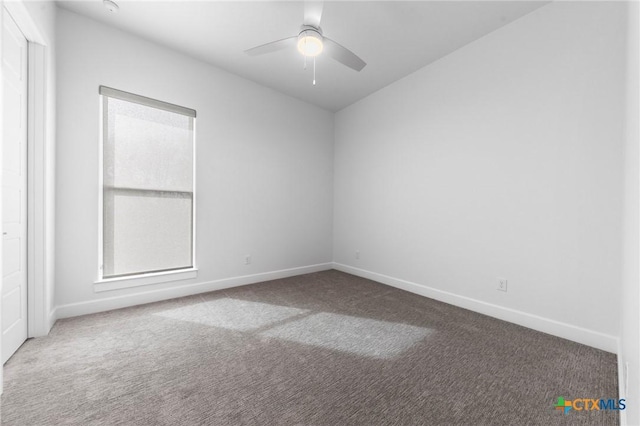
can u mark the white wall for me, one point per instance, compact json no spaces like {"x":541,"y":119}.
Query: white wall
{"x":502,"y":159}
{"x":43,"y":14}
{"x":264,"y":165}
{"x":629,"y":353}
{"x":1,"y":158}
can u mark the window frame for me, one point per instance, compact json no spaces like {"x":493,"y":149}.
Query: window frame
{"x":152,"y":277}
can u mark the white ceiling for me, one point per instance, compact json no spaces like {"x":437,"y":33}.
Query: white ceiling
{"x":395,"y":38}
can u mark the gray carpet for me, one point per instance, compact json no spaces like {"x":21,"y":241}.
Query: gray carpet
{"x":320,"y":349}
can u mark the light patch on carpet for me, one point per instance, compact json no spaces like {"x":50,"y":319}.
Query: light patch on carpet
{"x":360,"y":336}
{"x":232,"y":314}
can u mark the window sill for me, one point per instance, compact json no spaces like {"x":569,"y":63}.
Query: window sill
{"x":143,"y":279}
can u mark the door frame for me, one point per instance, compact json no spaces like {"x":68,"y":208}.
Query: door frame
{"x":39,"y":168}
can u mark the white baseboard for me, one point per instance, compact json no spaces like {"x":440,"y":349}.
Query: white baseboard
{"x":556,"y":328}
{"x":124,"y":301}
{"x":53,"y":317}
{"x":622,"y":383}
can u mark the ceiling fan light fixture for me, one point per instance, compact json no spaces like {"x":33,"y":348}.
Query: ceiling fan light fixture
{"x":310,"y":42}
{"x":111,"y":6}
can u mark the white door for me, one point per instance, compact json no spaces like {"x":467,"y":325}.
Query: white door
{"x":14,"y":189}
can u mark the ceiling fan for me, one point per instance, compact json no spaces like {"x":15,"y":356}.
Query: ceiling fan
{"x":311,"y":42}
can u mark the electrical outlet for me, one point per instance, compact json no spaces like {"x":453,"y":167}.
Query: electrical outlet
{"x":357,"y":254}
{"x":502,"y":284}
{"x":247,"y":259}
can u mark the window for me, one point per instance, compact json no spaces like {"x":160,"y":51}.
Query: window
{"x":147,"y":194}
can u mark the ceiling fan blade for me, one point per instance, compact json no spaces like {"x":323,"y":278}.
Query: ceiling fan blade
{"x":343,"y":55}
{"x":313,"y":12}
{"x":274,"y":46}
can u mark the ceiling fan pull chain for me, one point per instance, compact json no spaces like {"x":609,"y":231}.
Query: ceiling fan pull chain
{"x":314,"y":70}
